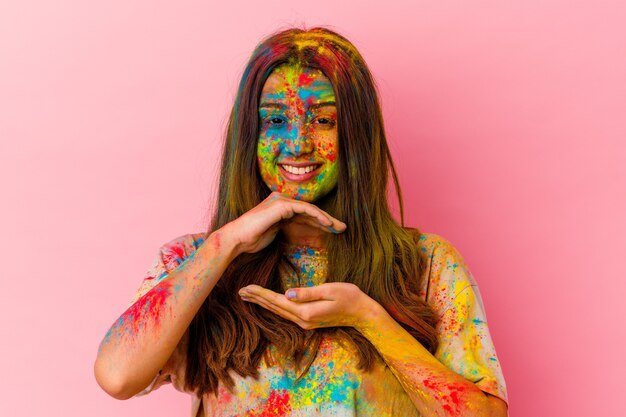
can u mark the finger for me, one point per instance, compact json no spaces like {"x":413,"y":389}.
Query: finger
{"x":307,"y":294}
{"x":312,"y":210}
{"x":307,"y":220}
{"x":260,"y":292}
{"x":308,"y":209}
{"x":273,"y":308}
{"x":271,"y":297}
{"x":306,"y":322}
{"x":303,"y":207}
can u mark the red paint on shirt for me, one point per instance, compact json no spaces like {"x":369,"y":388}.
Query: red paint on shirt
{"x":176,"y":253}
{"x":276,"y":405}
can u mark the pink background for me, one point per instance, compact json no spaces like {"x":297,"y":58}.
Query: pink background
{"x":506,"y":119}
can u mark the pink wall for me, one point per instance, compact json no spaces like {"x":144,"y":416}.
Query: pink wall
{"x":507,"y":121}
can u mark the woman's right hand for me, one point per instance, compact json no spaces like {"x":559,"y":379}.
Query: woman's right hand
{"x":257,"y":228}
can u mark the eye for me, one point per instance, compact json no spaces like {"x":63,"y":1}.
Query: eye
{"x":325,"y":121}
{"x":275,"y":121}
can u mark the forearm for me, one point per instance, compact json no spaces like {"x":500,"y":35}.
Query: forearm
{"x":141,"y":341}
{"x":434,"y":389}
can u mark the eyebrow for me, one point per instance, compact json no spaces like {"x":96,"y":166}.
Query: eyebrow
{"x":277,"y":105}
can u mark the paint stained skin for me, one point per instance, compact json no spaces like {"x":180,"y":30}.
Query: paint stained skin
{"x":450,"y":394}
{"x":146,"y":310}
{"x":146,"y":306}
{"x":334,"y":385}
{"x":298,"y":124}
{"x":310,"y":265}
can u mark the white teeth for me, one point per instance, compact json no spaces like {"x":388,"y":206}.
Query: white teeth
{"x":299,"y":170}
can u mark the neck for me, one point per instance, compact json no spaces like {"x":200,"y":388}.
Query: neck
{"x":301,"y":234}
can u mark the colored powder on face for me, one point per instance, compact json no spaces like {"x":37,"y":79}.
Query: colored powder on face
{"x":305,"y":79}
{"x":298,"y":132}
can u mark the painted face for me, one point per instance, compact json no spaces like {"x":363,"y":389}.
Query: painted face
{"x":297,"y":146}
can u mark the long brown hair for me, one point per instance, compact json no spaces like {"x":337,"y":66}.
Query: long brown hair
{"x":375,"y":252}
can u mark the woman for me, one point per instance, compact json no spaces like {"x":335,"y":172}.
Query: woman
{"x":305,"y":297}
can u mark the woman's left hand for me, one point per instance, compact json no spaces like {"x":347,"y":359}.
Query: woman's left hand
{"x":327,"y":305}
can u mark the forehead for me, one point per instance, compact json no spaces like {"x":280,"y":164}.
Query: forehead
{"x":293,"y":81}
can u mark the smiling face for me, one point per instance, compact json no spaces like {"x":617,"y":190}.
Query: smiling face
{"x":297,"y":146}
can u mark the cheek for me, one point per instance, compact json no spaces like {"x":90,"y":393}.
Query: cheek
{"x":327,"y":147}
{"x":268,"y":147}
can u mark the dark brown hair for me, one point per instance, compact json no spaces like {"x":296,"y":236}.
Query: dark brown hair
{"x":375,"y":252}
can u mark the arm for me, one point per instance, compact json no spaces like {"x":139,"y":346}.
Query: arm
{"x":459,"y":380}
{"x":433,"y":388}
{"x":141,"y":341}
{"x":143,"y":338}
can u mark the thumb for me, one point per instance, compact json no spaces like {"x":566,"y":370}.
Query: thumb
{"x":305,"y":294}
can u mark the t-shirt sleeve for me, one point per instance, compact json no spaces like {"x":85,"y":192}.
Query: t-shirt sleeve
{"x":169,"y":257}
{"x":465,"y":344}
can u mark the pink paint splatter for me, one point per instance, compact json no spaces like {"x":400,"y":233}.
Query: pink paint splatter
{"x":276,"y":405}
{"x":176,"y":254}
{"x":217,"y":240}
{"x":147,"y":309}
{"x":224,"y":395}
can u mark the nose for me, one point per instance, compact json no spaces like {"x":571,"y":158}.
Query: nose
{"x":298,"y":141}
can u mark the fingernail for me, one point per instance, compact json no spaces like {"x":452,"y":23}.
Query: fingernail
{"x":245,"y":298}
{"x":291,"y":294}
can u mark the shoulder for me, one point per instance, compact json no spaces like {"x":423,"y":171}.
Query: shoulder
{"x":439,"y":252}
{"x":432,"y":246}
{"x":445,"y":274}
{"x":187,"y":240}
{"x":176,"y":250}
{"x":170,"y":255}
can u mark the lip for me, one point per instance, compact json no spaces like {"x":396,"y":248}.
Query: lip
{"x":296,"y":177}
{"x":300,"y":164}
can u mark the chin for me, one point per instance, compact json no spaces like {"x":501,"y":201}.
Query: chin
{"x":307,"y":198}
{"x":320,"y":199}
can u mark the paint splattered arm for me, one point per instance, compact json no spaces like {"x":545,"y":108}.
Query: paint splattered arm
{"x":434,"y":389}
{"x":142,"y":340}
{"x":464,"y":376}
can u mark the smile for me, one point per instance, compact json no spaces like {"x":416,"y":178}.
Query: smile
{"x":299,"y":170}
{"x":299,"y":173}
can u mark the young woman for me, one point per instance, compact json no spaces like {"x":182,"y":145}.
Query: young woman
{"x":305,"y":297}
